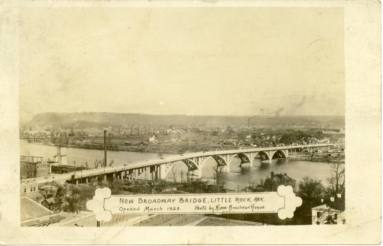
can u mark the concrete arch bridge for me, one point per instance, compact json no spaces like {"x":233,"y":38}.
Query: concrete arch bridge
{"x":160,"y":168}
{"x":196,"y":161}
{"x":226,"y":160}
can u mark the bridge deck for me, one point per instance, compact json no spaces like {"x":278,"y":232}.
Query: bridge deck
{"x":171,"y":159}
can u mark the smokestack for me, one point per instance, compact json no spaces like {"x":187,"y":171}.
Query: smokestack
{"x":105,"y":152}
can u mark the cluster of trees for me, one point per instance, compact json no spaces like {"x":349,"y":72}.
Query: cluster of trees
{"x":68,"y":197}
{"x":271,"y":183}
{"x":162,"y":187}
{"x":312,"y":192}
{"x":139,"y":186}
{"x":275,"y":180}
{"x":291,"y":137}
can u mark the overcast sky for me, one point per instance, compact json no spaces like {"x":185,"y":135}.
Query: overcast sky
{"x":202,"y":61}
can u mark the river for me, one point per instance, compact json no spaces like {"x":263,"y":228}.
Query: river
{"x":238,"y":178}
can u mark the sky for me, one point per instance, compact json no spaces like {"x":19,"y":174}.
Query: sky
{"x":195,"y":61}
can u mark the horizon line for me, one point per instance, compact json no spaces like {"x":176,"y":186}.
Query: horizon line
{"x":194,"y":115}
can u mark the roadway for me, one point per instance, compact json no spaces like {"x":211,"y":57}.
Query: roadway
{"x":171,"y":159}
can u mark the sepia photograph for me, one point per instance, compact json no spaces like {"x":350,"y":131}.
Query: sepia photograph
{"x":175,"y":102}
{"x":190,"y":122}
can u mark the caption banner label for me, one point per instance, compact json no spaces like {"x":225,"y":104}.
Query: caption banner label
{"x":283,"y":202}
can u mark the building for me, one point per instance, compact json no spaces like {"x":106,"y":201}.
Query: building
{"x":28,"y":187}
{"x":28,"y":166}
{"x":33,"y":166}
{"x":153,"y":139}
{"x":324,"y":214}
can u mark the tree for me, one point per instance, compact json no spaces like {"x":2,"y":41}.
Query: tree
{"x":60,"y":198}
{"x":337,"y":179}
{"x":275,"y":180}
{"x":74,"y":199}
{"x":336,"y":189}
{"x":311,"y":190}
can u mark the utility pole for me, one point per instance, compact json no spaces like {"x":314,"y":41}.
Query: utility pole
{"x":105,"y":151}
{"x":59,"y":154}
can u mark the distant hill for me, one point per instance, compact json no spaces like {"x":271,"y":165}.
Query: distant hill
{"x":90,"y":119}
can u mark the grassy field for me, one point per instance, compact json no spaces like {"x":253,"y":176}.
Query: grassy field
{"x":32,"y":210}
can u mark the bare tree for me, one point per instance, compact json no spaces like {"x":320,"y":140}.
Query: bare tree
{"x":337,"y":179}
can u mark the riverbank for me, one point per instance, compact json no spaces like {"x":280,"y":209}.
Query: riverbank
{"x":166,"y":149}
{"x":172,"y":149}
{"x":316,"y":159}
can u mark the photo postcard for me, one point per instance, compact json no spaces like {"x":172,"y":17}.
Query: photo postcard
{"x":184,"y":122}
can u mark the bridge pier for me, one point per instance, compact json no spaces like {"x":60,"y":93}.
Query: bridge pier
{"x":147,"y":173}
{"x":165,"y":170}
{"x":125,"y":175}
{"x":195,"y":173}
{"x":137,"y":173}
{"x":99,"y":178}
{"x":152,"y":172}
{"x":133,"y":174}
{"x":252,"y":159}
{"x":226,"y":168}
{"x":155,"y":172}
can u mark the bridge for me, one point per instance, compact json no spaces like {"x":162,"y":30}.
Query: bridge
{"x":160,"y":168}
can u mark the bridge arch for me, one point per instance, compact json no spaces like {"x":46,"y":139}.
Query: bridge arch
{"x":263,"y":155}
{"x":219,"y":161}
{"x":244,"y":158}
{"x":190,"y":164}
{"x":279,"y":154}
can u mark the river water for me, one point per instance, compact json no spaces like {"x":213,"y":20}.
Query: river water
{"x":237,"y":178}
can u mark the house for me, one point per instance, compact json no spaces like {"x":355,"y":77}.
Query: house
{"x":324,"y":214}
{"x":29,"y":186}
{"x":29,"y":165}
{"x":153,"y":139}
